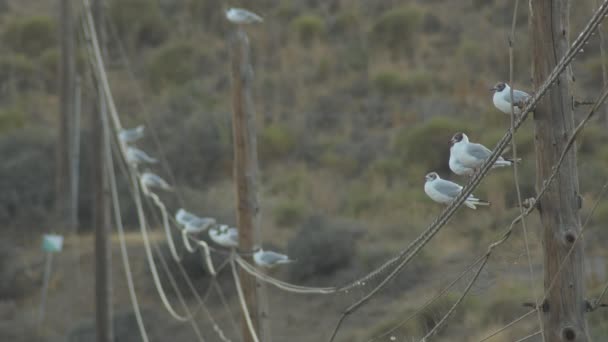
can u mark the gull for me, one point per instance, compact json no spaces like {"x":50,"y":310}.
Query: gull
{"x":444,"y":191}
{"x":151,"y":180}
{"x":224,"y":236}
{"x":182,"y":216}
{"x":136,"y":156}
{"x":242,"y":16}
{"x":270,"y":259}
{"x":131,"y":135}
{"x":466,"y":157}
{"x":198,"y":224}
{"x":502,"y":98}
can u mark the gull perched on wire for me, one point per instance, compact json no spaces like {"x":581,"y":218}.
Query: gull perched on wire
{"x":502,"y":98}
{"x":224,"y":236}
{"x":242,"y":16}
{"x":443,"y":191}
{"x":270,"y":259}
{"x":182,"y":216}
{"x":136,"y":156}
{"x":131,"y":135}
{"x":150,"y":180}
{"x":192,"y":223}
{"x":466,"y":157}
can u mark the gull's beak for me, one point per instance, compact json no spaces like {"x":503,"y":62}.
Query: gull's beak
{"x":451,"y":142}
{"x":493,"y":89}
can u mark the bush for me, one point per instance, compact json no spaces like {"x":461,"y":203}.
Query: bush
{"x":276,"y":141}
{"x":176,"y":64}
{"x":17,"y":72}
{"x":31,"y":35}
{"x":25,"y":191}
{"x":288,"y":213}
{"x":141,"y":21}
{"x":396,"y":27}
{"x":321,"y":247}
{"x":11,"y":118}
{"x":427,"y":143}
{"x":14,"y":279}
{"x":308,"y":27}
{"x":391,"y":82}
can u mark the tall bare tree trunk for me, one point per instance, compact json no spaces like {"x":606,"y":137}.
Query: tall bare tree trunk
{"x":66,"y":109}
{"x":564,"y":308}
{"x":246,"y":180}
{"x":101,"y":215}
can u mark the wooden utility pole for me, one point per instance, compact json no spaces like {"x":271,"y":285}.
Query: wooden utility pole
{"x":564,"y":307}
{"x":246,"y":179}
{"x":75,"y":157}
{"x":66,"y":109}
{"x":101,"y":214}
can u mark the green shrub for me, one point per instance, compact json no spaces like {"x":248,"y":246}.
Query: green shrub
{"x":18,"y":71}
{"x":11,"y":118}
{"x":140,"y":21}
{"x":31,"y":35}
{"x":427,"y":143}
{"x":389,"y":82}
{"x":321,"y":247}
{"x":176,"y":64}
{"x":396,"y":27}
{"x":308,"y":27}
{"x":288,"y":213}
{"x":347,"y":20}
{"x":276,"y":141}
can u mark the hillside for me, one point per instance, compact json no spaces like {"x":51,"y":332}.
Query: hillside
{"x":355,"y":102}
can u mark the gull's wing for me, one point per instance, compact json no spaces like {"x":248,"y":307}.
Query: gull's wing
{"x":518,"y":96}
{"x":271,"y":257}
{"x":447,"y":188}
{"x":477,"y":151}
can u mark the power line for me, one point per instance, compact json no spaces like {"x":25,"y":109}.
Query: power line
{"x":516,"y":167}
{"x":414,"y":247}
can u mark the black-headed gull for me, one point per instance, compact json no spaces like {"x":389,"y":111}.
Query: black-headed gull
{"x":270,"y":259}
{"x":225,"y":236}
{"x":242,"y":16}
{"x":502,"y":98}
{"x":131,"y":135}
{"x":466,"y":157}
{"x":136,"y":156}
{"x":443,"y":191}
{"x":151,"y":180}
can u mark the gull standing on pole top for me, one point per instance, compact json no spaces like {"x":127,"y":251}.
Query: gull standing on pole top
{"x":443,"y":191}
{"x":151,"y":180}
{"x":502,"y":98}
{"x":224,"y":236}
{"x":466,"y":157}
{"x":242,"y":16}
{"x":136,"y":156}
{"x":270,"y":259}
{"x":127,"y":136}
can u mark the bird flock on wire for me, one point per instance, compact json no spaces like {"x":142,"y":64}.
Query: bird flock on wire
{"x":465,"y":159}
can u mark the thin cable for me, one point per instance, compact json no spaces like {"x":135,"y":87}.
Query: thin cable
{"x":138,"y":92}
{"x":178,"y":292}
{"x":165,"y":222}
{"x":239,"y":291}
{"x":529,"y":336}
{"x":516,"y":173}
{"x":123,"y":244}
{"x":405,"y":256}
{"x":430,"y":301}
{"x":512,"y":323}
{"x":279,"y":283}
{"x":459,"y":300}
